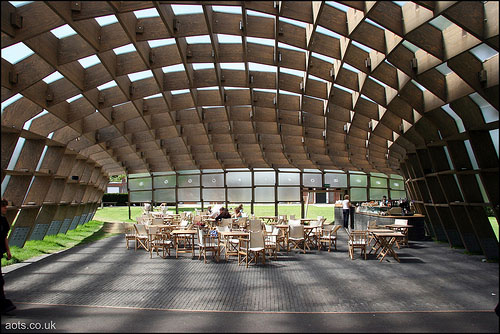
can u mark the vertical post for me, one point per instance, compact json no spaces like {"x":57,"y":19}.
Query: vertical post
{"x":128,"y":198}
{"x":276,"y":183}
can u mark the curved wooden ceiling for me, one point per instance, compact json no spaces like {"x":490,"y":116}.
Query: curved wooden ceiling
{"x":352,"y":85}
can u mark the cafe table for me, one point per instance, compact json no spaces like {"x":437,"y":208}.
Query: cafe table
{"x":229,"y":248}
{"x":187,"y":236}
{"x":400,"y":228}
{"x":385,"y":241}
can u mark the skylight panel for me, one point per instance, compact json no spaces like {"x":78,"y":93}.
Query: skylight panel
{"x":153,"y":96}
{"x":367,"y":98}
{"x":261,"y":67}
{"x":140,"y":75}
{"x":444,"y":69}
{"x":53,"y":77}
{"x":124,"y":49}
{"x":187,"y":9}
{"x":202,"y":66}
{"x":337,"y":5}
{"x":202,"y":39}
{"x":350,"y":68}
{"x":256,"y":13}
{"x":294,"y":22}
{"x":89,"y":61}
{"x":27,"y":124}
{"x":74,"y":98}
{"x":235,"y":88}
{"x":63,"y":31}
{"x":378,"y":81}
{"x":17,"y":52}
{"x":290,"y":47}
{"x":350,"y":91}
{"x":180,"y":91}
{"x":327,"y":32}
{"x":265,"y":90}
{"x":119,"y":104}
{"x":400,"y":3}
{"x":208,"y":88}
{"x":483,"y":52}
{"x":173,"y":68}
{"x":285,"y":92}
{"x":223,"y":38}
{"x":367,"y":20}
{"x":453,"y":114}
{"x":261,"y":41}
{"x":161,"y":42}
{"x":11,"y":100}
{"x":227,"y":9}
{"x":292,"y":71}
{"x":18,"y":4}
{"x":361,"y":46}
{"x":410,"y":46}
{"x":490,"y":114}
{"x":422,"y":88}
{"x":440,"y":22}
{"x":145,"y":13}
{"x":232,"y":66}
{"x":323,"y":57}
{"x":107,"y":85}
{"x":106,"y":20}
{"x":312,"y":77}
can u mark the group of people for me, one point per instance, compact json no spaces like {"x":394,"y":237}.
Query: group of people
{"x":223,"y":212}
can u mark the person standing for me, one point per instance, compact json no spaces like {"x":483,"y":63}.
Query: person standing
{"x":346,"y":208}
{"x":7,"y":305}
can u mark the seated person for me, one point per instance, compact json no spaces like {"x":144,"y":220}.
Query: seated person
{"x":238,"y":213}
{"x":224,"y":213}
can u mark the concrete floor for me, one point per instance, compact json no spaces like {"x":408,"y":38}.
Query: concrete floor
{"x":103,"y":287}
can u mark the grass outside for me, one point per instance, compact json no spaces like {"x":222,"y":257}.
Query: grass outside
{"x":83,"y":234}
{"x":120,"y":213}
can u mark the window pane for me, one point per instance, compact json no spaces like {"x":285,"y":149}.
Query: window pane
{"x":213,"y":180}
{"x":292,"y":179}
{"x":312,"y":180}
{"x":239,"y":179}
{"x":140,"y":184}
{"x":164,"y":195}
{"x":166,"y":181}
{"x":358,"y":180}
{"x":288,"y":193}
{"x":239,"y":195}
{"x":397,"y":184}
{"x":396,"y":194}
{"x":265,"y":179}
{"x":376,"y":194}
{"x":378,"y":182}
{"x":336,"y":180}
{"x":264,"y":194}
{"x":189,"y":180}
{"x":214,"y":195}
{"x":358,"y":194}
{"x":140,"y":196}
{"x":189,"y":194}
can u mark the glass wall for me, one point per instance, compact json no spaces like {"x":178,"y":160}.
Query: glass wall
{"x":264,"y":191}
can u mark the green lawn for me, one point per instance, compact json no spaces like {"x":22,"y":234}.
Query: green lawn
{"x":91,"y":231}
{"x":120,"y":213}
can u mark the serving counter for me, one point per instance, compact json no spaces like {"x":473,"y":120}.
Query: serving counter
{"x":361,"y":219}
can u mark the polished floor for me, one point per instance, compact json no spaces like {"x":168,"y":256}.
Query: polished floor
{"x":103,"y":287}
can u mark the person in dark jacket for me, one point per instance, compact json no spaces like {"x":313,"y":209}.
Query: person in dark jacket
{"x":224,"y":213}
{"x":6,"y":304}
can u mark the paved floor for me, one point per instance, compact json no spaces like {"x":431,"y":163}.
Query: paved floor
{"x":103,"y":287}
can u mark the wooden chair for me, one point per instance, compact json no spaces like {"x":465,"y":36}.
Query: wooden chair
{"x":141,"y":237}
{"x":129,"y":233}
{"x":255,"y":225}
{"x":207,"y":242}
{"x":158,"y":240}
{"x":357,"y":239}
{"x":403,"y":229}
{"x":296,"y":237}
{"x":250,"y":249}
{"x":157,"y":221}
{"x":242,"y":223}
{"x":329,"y":236}
{"x":271,"y":241}
{"x":294,"y":222}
